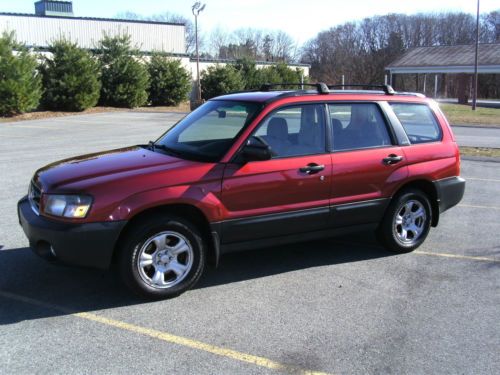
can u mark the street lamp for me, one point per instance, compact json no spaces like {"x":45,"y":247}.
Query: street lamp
{"x":197,"y":8}
{"x":474,"y":92}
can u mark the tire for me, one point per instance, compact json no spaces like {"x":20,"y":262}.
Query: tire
{"x":406,"y":222}
{"x":162,"y":257}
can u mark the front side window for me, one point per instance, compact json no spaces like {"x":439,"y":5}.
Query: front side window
{"x":294,"y":131}
{"x":208,"y":132}
{"x":357,"y":126}
{"x":418,"y":121}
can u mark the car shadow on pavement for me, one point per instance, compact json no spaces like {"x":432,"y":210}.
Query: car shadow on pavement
{"x":253,"y":264}
{"x":64,"y":290}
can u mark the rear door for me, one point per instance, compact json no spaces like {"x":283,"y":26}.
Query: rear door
{"x":367,"y":163}
{"x":432,"y":154}
{"x":288,"y":194}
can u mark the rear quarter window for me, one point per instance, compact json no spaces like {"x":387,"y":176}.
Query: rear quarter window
{"x":418,"y":121}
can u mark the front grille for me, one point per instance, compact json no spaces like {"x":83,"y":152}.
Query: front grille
{"x":34,"y":196}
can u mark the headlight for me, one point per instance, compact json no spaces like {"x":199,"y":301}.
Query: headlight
{"x":72,"y":206}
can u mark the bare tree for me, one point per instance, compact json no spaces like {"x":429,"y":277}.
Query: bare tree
{"x":361,"y":50}
{"x":491,"y":29}
{"x":253,"y":44}
{"x":283,"y":46}
{"x":218,"y":39}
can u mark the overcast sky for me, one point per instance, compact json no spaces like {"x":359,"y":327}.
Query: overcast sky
{"x":302,"y":19}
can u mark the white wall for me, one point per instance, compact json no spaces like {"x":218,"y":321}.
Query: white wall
{"x":40,"y":31}
{"x":204,"y":65}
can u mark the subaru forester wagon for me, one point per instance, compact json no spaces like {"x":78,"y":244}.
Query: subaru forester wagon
{"x":249,"y":170}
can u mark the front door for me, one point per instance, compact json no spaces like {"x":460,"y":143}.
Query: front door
{"x":288,"y":194}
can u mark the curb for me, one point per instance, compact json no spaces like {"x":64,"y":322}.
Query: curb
{"x":476,"y":126}
{"x":169,"y":112}
{"x":488,"y":159}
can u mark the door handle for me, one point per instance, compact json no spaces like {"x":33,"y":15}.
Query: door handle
{"x":392,"y":159}
{"x":312,"y":168}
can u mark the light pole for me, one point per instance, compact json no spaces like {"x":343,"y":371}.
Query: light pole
{"x":474,"y":92}
{"x":197,"y":8}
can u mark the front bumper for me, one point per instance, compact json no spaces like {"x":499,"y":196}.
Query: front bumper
{"x":86,"y":244}
{"x":450,"y":192}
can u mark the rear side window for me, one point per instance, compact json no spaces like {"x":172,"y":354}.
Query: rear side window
{"x":418,"y":121}
{"x":357,"y":126}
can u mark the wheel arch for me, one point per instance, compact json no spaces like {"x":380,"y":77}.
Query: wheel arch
{"x":429,"y":189}
{"x":182,"y":210}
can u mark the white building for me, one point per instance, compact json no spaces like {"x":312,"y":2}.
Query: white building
{"x":40,"y":29}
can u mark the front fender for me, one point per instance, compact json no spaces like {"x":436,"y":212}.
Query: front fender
{"x":200,"y":196}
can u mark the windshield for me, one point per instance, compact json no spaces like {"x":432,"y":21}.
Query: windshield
{"x":208,"y":132}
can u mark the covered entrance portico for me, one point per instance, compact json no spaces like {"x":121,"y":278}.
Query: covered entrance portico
{"x":433,"y":66}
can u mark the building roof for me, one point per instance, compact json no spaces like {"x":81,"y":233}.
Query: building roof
{"x":448,"y":59}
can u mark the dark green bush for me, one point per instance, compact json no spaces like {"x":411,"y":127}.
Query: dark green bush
{"x":20,"y":83}
{"x":254,"y":77}
{"x":280,"y":73}
{"x":170,"y":81}
{"x":219,"y":80}
{"x":125,"y":79}
{"x":71,"y":78}
{"x":249,"y":72}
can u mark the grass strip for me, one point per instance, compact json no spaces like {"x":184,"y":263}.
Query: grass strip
{"x":480,"y":151}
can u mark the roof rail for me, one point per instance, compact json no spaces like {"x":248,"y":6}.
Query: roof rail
{"x":386,"y":88}
{"x":321,"y":87}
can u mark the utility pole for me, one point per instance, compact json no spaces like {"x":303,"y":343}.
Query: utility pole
{"x":474,"y":92}
{"x":197,"y":8}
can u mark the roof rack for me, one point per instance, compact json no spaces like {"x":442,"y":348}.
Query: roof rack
{"x":321,"y":87}
{"x":386,"y":88}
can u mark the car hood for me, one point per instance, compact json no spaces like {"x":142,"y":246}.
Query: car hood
{"x":84,"y":171}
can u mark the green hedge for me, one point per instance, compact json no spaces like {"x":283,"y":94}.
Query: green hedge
{"x":125,"y":79}
{"x":280,"y":73}
{"x":218,"y":80}
{"x":71,"y":78}
{"x":170,"y":81}
{"x":20,"y":83}
{"x":244,"y":75}
{"x":74,"y":79}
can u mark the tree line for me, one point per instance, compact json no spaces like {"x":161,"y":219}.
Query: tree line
{"x":361,"y":50}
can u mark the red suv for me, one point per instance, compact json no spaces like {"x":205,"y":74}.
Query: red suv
{"x":249,"y":170}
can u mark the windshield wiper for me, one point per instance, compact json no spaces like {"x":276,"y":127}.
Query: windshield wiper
{"x":167,"y":149}
{"x":153,"y":146}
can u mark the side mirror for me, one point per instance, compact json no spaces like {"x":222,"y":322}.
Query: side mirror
{"x":256,"y":149}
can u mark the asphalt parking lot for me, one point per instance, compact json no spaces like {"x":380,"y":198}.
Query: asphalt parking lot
{"x":340,"y":306}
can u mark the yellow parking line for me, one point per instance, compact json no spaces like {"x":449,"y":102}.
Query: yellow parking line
{"x":456,"y":256}
{"x":476,"y":206}
{"x":170,"y":338}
